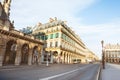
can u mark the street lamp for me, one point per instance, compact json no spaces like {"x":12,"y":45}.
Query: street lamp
{"x":103,"y":55}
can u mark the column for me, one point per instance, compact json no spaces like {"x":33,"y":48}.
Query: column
{"x":30,"y":56}
{"x":42,"y":56}
{"x":18,"y":57}
{"x":39,"y":54}
{"x":71,"y":58}
{"x":68,"y":58}
{"x":2,"y":53}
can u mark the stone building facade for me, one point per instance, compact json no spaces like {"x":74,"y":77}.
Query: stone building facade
{"x":54,"y":42}
{"x":16,"y":48}
{"x":61,"y":43}
{"x":112,"y":53}
{"x":90,"y":56}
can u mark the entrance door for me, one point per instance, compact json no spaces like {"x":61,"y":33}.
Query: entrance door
{"x":10,"y":53}
{"x":55,"y":55}
{"x":35,"y":55}
{"x":25,"y":52}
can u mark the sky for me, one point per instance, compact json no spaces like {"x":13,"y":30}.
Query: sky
{"x":92,"y":20}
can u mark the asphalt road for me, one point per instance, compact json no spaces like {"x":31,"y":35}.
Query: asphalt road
{"x":53,"y":72}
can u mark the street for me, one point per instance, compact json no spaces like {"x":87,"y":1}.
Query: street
{"x":53,"y":72}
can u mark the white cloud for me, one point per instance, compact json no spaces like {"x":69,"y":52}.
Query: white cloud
{"x":93,"y":34}
{"x":29,"y":13}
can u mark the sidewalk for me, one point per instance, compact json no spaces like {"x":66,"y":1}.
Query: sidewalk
{"x":111,"y":72}
{"x":10,"y":67}
{"x":20,"y":66}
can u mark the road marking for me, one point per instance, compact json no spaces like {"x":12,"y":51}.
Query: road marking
{"x":98,"y":74}
{"x":58,"y":75}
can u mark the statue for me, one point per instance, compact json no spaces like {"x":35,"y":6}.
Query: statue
{"x":6,"y":5}
{"x":51,"y":19}
{"x":39,"y":24}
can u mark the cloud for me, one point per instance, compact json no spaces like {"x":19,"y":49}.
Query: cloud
{"x":93,"y":34}
{"x":29,"y":13}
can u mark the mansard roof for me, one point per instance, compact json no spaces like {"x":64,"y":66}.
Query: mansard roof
{"x":112,"y":46}
{"x":48,"y":25}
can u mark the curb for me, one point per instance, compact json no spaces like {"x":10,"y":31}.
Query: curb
{"x":13,"y":67}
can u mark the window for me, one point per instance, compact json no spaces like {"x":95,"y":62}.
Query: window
{"x":56,"y":44}
{"x":56,"y":35}
{"x":50,"y":44}
{"x":51,"y":36}
{"x":46,"y":37}
{"x":62,"y":36}
{"x":42,"y":37}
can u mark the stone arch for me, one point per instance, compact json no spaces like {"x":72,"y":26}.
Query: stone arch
{"x":35,"y":54}
{"x":55,"y":54}
{"x":25,"y":53}
{"x":10,"y":53}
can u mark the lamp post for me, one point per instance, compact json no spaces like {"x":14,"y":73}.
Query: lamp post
{"x":103,"y":55}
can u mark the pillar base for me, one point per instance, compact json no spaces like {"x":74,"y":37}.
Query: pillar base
{"x":1,"y":64}
{"x":17,"y":64}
